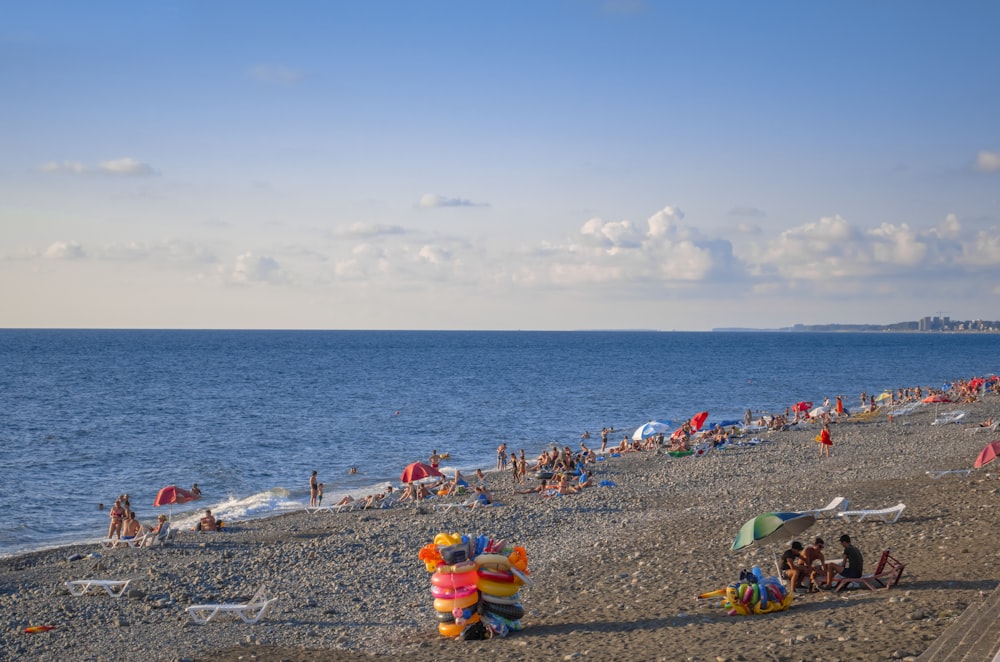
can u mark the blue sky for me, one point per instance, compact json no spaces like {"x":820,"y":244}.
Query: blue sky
{"x":487,"y":165}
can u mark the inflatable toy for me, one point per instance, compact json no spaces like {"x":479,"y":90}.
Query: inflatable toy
{"x":754,"y":593}
{"x":475,"y":583}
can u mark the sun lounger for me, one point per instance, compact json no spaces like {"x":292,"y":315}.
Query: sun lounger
{"x":111,"y":543}
{"x":250,"y":611}
{"x":838,"y":503}
{"x":887,"y":515}
{"x":949,"y":417}
{"x":964,"y":473}
{"x":312,"y":510}
{"x":113,"y":587}
{"x":886,"y":575}
{"x":980,"y":428}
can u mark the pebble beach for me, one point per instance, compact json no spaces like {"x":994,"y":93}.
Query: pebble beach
{"x":616,"y":570}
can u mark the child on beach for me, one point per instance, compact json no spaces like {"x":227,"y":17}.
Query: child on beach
{"x":319,"y":495}
{"x":824,"y":441}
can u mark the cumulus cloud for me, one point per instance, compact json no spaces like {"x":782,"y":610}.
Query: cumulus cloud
{"x":250,"y":269}
{"x":123,"y":167}
{"x":267,"y":73}
{"x":65,"y":250}
{"x":433,"y":201}
{"x":988,"y":162}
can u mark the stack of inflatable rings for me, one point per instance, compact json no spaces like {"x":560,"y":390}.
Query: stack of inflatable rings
{"x":454,"y":587}
{"x":498,"y":587}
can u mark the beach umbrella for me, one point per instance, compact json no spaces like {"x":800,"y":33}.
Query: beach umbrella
{"x":418,"y":471}
{"x":650,"y":429}
{"x":802,"y":406}
{"x":170,"y":495}
{"x":698,"y":420}
{"x":937,"y":397}
{"x":818,"y":411}
{"x":771,"y":527}
{"x":884,"y":395}
{"x":988,"y":454}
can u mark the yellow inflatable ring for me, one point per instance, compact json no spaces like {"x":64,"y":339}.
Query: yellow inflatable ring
{"x":446,"y":539}
{"x":454,"y":629}
{"x":448,"y":604}
{"x":503,"y":589}
{"x":493,"y":561}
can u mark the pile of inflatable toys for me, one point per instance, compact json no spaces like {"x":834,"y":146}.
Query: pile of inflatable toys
{"x":476,"y":584}
{"x":753,"y":594}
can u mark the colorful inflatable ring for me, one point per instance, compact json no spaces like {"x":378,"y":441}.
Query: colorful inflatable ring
{"x":493,"y":561}
{"x":511,"y":612}
{"x":502,"y":589}
{"x":454,"y":629}
{"x":447,"y":539}
{"x":447,"y":604}
{"x":495,"y":575}
{"x":452,"y":594}
{"x":500,"y":599}
{"x":454,"y":580}
{"x":519,"y":559}
{"x":457,"y":569}
{"x":445,"y":616}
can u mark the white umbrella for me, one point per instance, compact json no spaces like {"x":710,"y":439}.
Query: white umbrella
{"x":818,"y":411}
{"x":649,"y":429}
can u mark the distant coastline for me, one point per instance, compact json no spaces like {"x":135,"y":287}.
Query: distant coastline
{"x":923,"y":325}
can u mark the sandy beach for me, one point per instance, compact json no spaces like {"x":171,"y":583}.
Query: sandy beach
{"x":616,"y":570}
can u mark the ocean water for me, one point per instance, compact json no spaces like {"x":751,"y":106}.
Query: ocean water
{"x":86,"y":415}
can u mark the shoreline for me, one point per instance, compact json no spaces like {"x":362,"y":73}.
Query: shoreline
{"x":616,"y":569}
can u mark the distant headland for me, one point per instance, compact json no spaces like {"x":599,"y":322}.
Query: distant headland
{"x":923,"y":325}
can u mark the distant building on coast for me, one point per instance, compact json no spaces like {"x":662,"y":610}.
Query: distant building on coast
{"x":936,"y":324}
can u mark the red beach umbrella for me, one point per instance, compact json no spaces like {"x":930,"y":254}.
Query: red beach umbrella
{"x":698,"y":420}
{"x":988,"y":454}
{"x":172,"y":494}
{"x":937,"y":397}
{"x":418,"y":470}
{"x":802,"y":406}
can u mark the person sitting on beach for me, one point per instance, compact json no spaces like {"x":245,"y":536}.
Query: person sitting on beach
{"x":792,"y":567}
{"x":423,"y":491}
{"x":852,"y":565}
{"x":480,"y":476}
{"x":409,"y":492}
{"x":813,"y":559}
{"x":582,"y":482}
{"x":483,"y":497}
{"x":117,"y":515}
{"x":541,"y":487}
{"x":159,"y":533}
{"x":207,"y":522}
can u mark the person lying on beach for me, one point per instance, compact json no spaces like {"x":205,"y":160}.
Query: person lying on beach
{"x":541,"y":487}
{"x":984,"y":424}
{"x":483,"y":497}
{"x":376,"y":500}
{"x":207,"y":522}
{"x":582,"y":482}
{"x":346,"y":500}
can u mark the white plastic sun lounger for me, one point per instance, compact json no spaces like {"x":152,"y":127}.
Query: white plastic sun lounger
{"x":111,"y":543}
{"x":839,"y":503}
{"x":249,"y":612}
{"x":887,"y":515}
{"x":113,"y":587}
{"x":949,"y":417}
{"x":964,"y":473}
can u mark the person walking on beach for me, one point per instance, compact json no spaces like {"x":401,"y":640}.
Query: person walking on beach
{"x":313,"y":489}
{"x":824,"y":441}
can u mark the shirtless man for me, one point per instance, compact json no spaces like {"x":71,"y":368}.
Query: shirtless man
{"x":313,"y":487}
{"x":207,"y":522}
{"x":812,"y":558}
{"x":131,"y":528}
{"x":435,"y":459}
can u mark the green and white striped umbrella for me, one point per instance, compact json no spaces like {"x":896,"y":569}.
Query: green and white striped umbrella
{"x":770,"y":527}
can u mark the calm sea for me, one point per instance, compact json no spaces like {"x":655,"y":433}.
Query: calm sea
{"x":88,"y":414}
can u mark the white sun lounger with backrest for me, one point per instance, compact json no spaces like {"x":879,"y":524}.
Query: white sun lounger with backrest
{"x":113,"y":587}
{"x":839,"y":503}
{"x":250,"y":611}
{"x":964,"y":473}
{"x":949,"y":417}
{"x":111,"y":543}
{"x":887,"y":515}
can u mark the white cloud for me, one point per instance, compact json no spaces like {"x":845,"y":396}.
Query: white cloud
{"x":266,"y":73}
{"x":363,"y":230}
{"x":988,"y":162}
{"x":123,"y":167}
{"x":249,"y":268}
{"x":65,"y":250}
{"x":433,"y":201}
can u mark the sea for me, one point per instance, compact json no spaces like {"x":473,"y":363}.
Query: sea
{"x":87,"y":415}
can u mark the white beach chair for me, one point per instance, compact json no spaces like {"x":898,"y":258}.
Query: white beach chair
{"x":113,"y":587}
{"x":887,"y":515}
{"x":838,"y":503}
{"x":312,"y":510}
{"x":111,"y":543}
{"x":468,"y":503}
{"x":250,"y":611}
{"x":949,"y":417}
{"x":964,"y":473}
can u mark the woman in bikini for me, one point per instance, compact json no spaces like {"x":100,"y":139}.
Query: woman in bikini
{"x":117,"y":515}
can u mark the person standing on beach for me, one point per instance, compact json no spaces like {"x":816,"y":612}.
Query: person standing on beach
{"x":313,"y":489}
{"x":501,"y":456}
{"x":604,"y":439}
{"x":840,"y":406}
{"x":117,"y":515}
{"x":522,"y":468}
{"x":319,"y":495}
{"x":825,"y":441}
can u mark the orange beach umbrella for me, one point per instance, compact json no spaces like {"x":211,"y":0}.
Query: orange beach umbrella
{"x":988,"y":454}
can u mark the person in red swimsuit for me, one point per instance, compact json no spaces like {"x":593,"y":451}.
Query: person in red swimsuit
{"x":117,"y":517}
{"x":825,"y":441}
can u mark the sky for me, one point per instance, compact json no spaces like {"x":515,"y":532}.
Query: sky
{"x":543,"y":164}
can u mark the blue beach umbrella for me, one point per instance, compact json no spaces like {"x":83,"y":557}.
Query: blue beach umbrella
{"x":649,"y":429}
{"x":770,"y":527}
